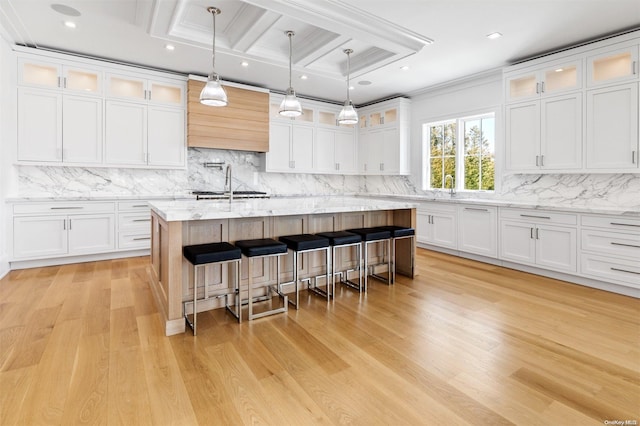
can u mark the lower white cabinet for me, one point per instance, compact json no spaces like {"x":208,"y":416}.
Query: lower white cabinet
{"x":478,"y":230}
{"x":49,"y":236}
{"x":437,"y":224}
{"x":538,"y":238}
{"x":134,"y":225}
{"x":610,"y":249}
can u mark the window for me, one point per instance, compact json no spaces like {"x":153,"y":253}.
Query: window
{"x":463,"y":149}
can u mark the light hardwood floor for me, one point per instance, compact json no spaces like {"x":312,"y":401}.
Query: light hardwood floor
{"x":463,"y":343}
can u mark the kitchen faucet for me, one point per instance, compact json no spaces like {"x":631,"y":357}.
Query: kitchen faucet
{"x":452,"y":189}
{"x":227,"y":183}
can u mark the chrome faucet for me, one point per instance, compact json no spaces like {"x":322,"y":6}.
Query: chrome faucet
{"x":452,"y":189}
{"x":227,"y":183}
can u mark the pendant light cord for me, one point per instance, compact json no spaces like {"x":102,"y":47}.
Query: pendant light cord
{"x":213,"y":52}
{"x":348,"y":72}
{"x":290,"y":34}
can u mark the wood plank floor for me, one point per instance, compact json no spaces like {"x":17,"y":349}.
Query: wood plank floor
{"x":464,"y":343}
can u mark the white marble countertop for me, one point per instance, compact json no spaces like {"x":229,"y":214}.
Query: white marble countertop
{"x":186,"y":210}
{"x":110,"y":197}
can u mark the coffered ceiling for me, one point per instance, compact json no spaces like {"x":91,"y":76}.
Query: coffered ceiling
{"x":438,"y":40}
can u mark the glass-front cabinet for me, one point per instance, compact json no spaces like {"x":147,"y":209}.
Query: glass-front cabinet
{"x":379,"y":118}
{"x":59,"y":76}
{"x":609,"y":66}
{"x":553,"y":79}
{"x":143,"y":90}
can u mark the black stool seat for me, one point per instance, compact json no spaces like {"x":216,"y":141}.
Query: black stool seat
{"x":200,"y":254}
{"x":398,"y":231}
{"x":371,"y":234}
{"x":261,"y":247}
{"x":340,"y":238}
{"x":302,"y":242}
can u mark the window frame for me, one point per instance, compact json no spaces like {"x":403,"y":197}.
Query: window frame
{"x":460,"y":150}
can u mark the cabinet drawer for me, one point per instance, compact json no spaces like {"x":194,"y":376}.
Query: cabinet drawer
{"x":610,"y":269}
{"x":128,"y":221}
{"x":136,"y":205}
{"x":611,"y":243}
{"x":438,"y":207}
{"x":137,"y":240}
{"x":539,"y":216}
{"x":622,"y":224}
{"x":63,"y":208}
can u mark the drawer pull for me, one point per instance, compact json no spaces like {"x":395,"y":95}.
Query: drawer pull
{"x":141,"y":220}
{"x":140,"y":205}
{"x":535,"y":217}
{"x":624,"y":245}
{"x":624,"y":270}
{"x":141,"y":238}
{"x":476,"y":209}
{"x":625,"y":224}
{"x":67,"y":208}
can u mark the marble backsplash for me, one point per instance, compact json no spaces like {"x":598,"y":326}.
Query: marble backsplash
{"x":622,"y":190}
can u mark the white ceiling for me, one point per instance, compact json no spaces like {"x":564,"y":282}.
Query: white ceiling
{"x":384,"y":36}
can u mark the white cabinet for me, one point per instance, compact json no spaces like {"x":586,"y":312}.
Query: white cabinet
{"x":608,"y":66}
{"x":383,"y":138}
{"x":548,"y":80}
{"x":539,"y":238}
{"x":62,"y":75}
{"x":335,"y":151}
{"x":612,"y":128}
{"x":610,"y":249}
{"x":437,"y":224}
{"x":478,"y":230}
{"x":290,"y":148}
{"x":142,"y":89}
{"x":134,"y":225}
{"x":43,"y":230}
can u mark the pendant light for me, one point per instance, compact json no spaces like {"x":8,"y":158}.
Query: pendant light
{"x":213,"y":93}
{"x":348,"y":115}
{"x":290,"y":106}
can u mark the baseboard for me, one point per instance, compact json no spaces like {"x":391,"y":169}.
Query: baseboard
{"x":574,"y":279}
{"x":38,"y":263}
{"x":5,"y":268}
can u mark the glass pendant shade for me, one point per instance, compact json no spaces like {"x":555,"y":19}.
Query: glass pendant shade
{"x":290,"y":106}
{"x":348,"y":114}
{"x":213,"y":93}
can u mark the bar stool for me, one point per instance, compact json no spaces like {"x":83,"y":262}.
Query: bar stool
{"x":371,"y":236}
{"x":397,"y":233}
{"x":199,"y":256}
{"x":306,"y":243}
{"x":343,"y":239}
{"x":261,"y":248}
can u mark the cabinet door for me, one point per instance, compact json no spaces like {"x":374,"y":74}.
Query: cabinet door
{"x":522,"y":87}
{"x":556,"y":248}
{"x":478,"y":230}
{"x":423,"y":227}
{"x":165,"y":93}
{"x":517,"y":242}
{"x":346,"y":152}
{"x":612,"y":127}
{"x":126,"y":133}
{"x":39,"y":236}
{"x":613,"y":66}
{"x":561,"y":127}
{"x":374,"y":151}
{"x":302,"y":148}
{"x":81,"y":80}
{"x":165,"y":136}
{"x":279,"y":155}
{"x":39,"y":125}
{"x":523,"y":136}
{"x":444,"y":232}
{"x":91,"y":233}
{"x":562,"y":77}
{"x":126,"y":87}
{"x":324,"y":151}
{"x":390,"y":151}
{"x":39,"y":74}
{"x":82,"y":129}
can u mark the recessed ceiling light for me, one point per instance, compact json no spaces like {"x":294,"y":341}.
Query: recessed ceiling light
{"x":364,"y":83}
{"x":404,"y":67}
{"x":303,"y":77}
{"x":244,"y":63}
{"x":494,"y":36}
{"x":65,"y":10}
{"x":170,"y":47}
{"x":69,"y":24}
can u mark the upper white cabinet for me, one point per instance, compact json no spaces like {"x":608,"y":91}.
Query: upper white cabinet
{"x":384,"y":138}
{"x":556,"y":124}
{"x":610,"y":66}
{"x":74,"y":111}
{"x":311,"y":143}
{"x":548,"y":80}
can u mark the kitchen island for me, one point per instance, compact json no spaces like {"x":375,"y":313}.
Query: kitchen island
{"x":175,"y":224}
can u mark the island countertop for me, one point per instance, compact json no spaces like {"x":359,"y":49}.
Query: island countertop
{"x":186,"y":210}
